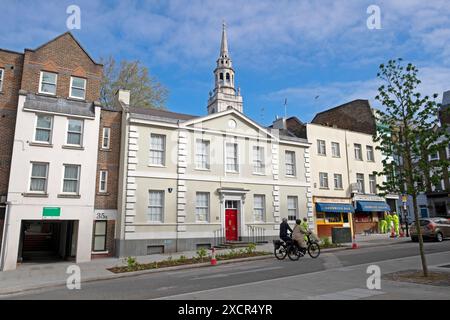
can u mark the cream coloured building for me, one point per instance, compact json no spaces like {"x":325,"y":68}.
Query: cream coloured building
{"x":190,"y":181}
{"x":343,"y":179}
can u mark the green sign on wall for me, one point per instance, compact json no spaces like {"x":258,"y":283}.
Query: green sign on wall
{"x":51,"y":212}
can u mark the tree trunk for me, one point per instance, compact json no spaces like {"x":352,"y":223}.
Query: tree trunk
{"x":419,"y":236}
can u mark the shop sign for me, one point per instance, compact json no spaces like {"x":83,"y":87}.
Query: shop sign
{"x":332,"y":200}
{"x":51,"y":212}
{"x":367,"y":198}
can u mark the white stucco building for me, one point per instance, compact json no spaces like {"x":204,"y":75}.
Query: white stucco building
{"x":52,"y":178}
{"x":191,"y":181}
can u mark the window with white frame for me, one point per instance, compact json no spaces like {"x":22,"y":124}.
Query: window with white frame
{"x":75,"y":132}
{"x":202,"y":154}
{"x":321,"y":148}
{"x":358,"y":151}
{"x":370,"y":154}
{"x":106,"y":137}
{"x":77,"y":88}
{"x":338,"y":181}
{"x":434,"y":156}
{"x":157,"y":149}
{"x":2,"y":75}
{"x":48,"y":82}
{"x":335,"y":150}
{"x":202,"y":206}
{"x":39,"y":174}
{"x":259,"y":207}
{"x":43,"y":129}
{"x":71,"y":181}
{"x":323,"y":180}
{"x":100,"y":229}
{"x":360,"y":182}
{"x":290,"y":163}
{"x":232,"y":157}
{"x":372,"y":183}
{"x":103,"y":183}
{"x":156,"y":206}
{"x":292,"y":204}
{"x":438,"y":186}
{"x":258,"y":160}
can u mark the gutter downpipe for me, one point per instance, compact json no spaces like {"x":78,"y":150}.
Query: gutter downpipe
{"x":4,"y":238}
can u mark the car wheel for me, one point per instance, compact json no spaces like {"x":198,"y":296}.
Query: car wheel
{"x":414,"y":239}
{"x":439,"y":237}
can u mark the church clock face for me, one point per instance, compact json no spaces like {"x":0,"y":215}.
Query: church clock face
{"x":232,"y":124}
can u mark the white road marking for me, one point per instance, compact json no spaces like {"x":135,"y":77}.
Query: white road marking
{"x":350,"y":294}
{"x":223,"y":275}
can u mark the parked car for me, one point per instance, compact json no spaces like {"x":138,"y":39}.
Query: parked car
{"x":431,"y":228}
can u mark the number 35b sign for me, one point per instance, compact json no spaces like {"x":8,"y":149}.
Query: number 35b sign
{"x":105,"y":214}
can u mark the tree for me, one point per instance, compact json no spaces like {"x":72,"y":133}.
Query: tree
{"x":408,"y":134}
{"x":146,"y":91}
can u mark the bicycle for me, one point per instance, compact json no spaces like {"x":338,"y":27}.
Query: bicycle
{"x":291,"y":249}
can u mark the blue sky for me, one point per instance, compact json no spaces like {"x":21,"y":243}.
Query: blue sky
{"x":280,"y":49}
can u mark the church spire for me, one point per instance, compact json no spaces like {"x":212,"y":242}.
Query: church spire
{"x":225,"y":95}
{"x":224,"y":44}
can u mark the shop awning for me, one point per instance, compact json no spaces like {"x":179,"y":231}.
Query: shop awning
{"x":370,"y":206}
{"x":334,"y":207}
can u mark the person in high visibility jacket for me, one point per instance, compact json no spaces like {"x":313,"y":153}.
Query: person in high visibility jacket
{"x":305,"y":228}
{"x":396,"y":222}
{"x":383,"y":226}
{"x":388,"y":222}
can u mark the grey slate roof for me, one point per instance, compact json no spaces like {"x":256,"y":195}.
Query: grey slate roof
{"x":159,"y":115}
{"x":59,"y":105}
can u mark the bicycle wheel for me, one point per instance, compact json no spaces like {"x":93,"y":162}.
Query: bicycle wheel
{"x":293,"y":253}
{"x":280,"y":253}
{"x":314,"y":250}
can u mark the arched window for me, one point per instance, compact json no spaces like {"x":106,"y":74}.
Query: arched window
{"x":221,"y":76}
{"x":228,"y":77}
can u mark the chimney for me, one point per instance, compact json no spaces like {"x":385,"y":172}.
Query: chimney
{"x":123,"y":96}
{"x":446,"y":98}
{"x":279,"y":123}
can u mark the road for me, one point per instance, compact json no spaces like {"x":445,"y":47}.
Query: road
{"x":321,"y":275}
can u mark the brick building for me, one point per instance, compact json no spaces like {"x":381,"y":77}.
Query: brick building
{"x":107,"y":182}
{"x":354,"y":116}
{"x":10,"y":78}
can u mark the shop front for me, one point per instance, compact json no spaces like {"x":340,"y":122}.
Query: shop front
{"x":331,"y":213}
{"x":368,"y":214}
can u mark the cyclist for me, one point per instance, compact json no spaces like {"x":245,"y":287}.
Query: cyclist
{"x":299,"y":233}
{"x":284,"y":227}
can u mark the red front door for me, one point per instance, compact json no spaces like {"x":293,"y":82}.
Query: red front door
{"x":231,"y":224}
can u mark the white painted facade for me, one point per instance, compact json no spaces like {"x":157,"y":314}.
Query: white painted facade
{"x":24,"y":205}
{"x":180,"y":180}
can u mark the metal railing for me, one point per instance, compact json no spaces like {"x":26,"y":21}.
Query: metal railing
{"x":256,"y":234}
{"x":219,"y":237}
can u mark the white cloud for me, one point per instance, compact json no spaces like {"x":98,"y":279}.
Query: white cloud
{"x":296,"y":32}
{"x":313,"y":98}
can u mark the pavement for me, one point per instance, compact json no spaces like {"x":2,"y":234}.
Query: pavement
{"x":32,"y":276}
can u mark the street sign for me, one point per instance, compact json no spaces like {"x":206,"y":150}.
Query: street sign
{"x":404,"y":198}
